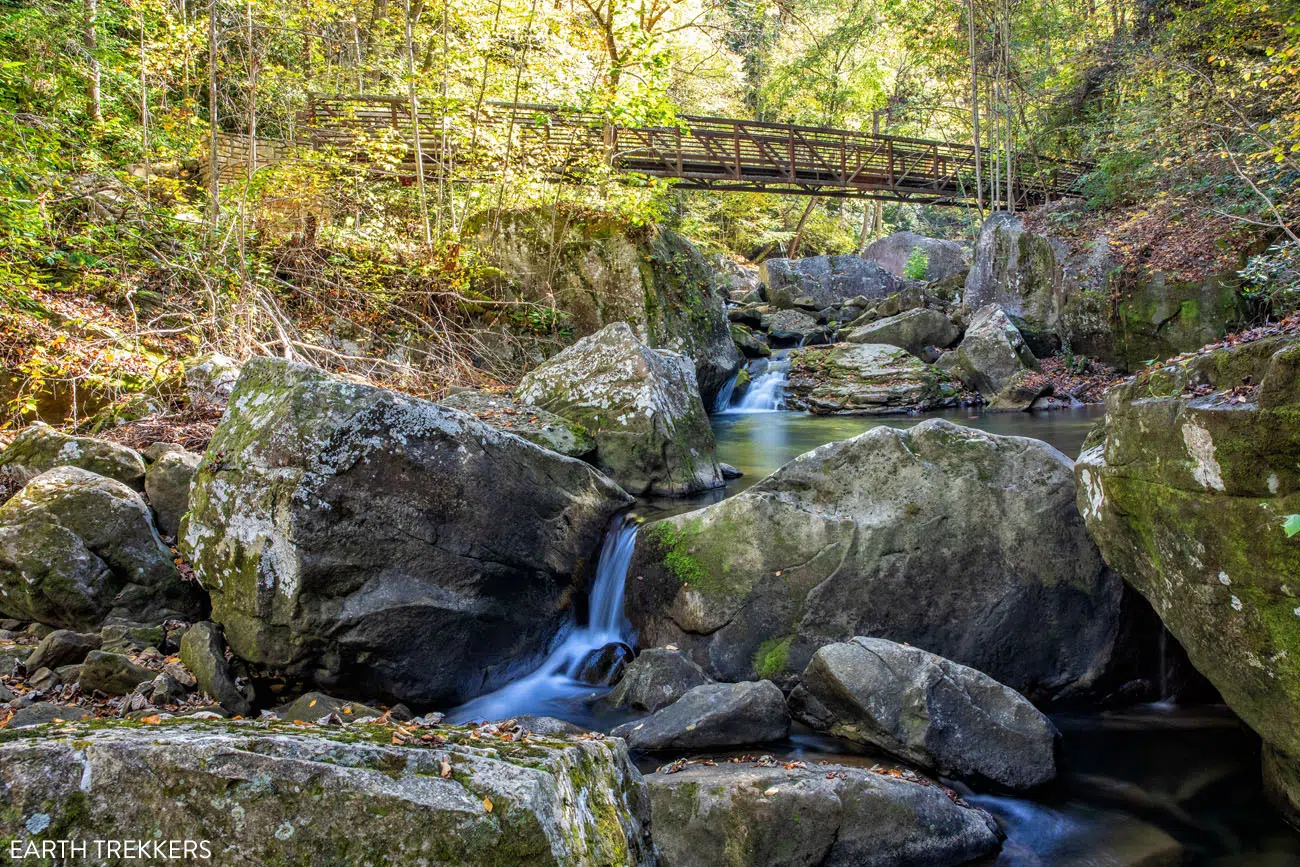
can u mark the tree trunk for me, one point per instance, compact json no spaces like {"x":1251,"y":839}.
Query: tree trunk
{"x":214,"y":204}
{"x":798,"y":232}
{"x":91,"y":42}
{"x":415,"y":130}
{"x":975,"y":110}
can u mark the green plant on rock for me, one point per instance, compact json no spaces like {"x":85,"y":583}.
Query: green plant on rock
{"x":772,"y":657}
{"x":918,"y":264}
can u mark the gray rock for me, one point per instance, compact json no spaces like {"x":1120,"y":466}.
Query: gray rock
{"x":825,"y":280}
{"x":546,"y":725}
{"x":314,"y":705}
{"x":992,"y":353}
{"x":44,"y":679}
{"x":943,"y":259}
{"x":167,"y":690}
{"x":210,"y":379}
{"x":204,"y":654}
{"x":749,"y":315}
{"x":1019,"y":271}
{"x":793,"y":328}
{"x":38,"y":714}
{"x":112,"y":674}
{"x":352,"y":534}
{"x":39,"y":448}
{"x":167,"y":484}
{"x":713,"y":715}
{"x":730,"y":472}
{"x":881,"y":535}
{"x":913,"y":330}
{"x":5,"y":695}
{"x":641,"y":404}
{"x":62,"y":647}
{"x":154,"y":451}
{"x":829,"y":815}
{"x":865,"y":379}
{"x":76,"y":548}
{"x":331,"y":795}
{"x":533,"y":423}
{"x":122,"y":635}
{"x":656,"y":679}
{"x":68,"y":673}
{"x":750,"y":344}
{"x":927,"y":710}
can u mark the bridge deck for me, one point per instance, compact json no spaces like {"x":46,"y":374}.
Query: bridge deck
{"x":702,"y":152}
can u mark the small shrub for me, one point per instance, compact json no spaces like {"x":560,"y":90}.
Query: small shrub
{"x":917,"y":264}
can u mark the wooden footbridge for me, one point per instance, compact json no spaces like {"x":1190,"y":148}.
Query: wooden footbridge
{"x":703,"y":153}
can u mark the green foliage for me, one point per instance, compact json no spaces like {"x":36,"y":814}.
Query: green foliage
{"x":1274,"y":277}
{"x":1291,"y":525}
{"x":918,"y":263}
{"x":772,"y":657}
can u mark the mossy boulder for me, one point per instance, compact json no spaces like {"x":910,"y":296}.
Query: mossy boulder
{"x":965,"y":543}
{"x":275,"y":793}
{"x":743,"y":815}
{"x":352,"y":534}
{"x":642,"y":406}
{"x":77,"y":548}
{"x":111,"y":674}
{"x":943,"y":259}
{"x":865,"y":379}
{"x":167,"y":484}
{"x":913,"y":330}
{"x":315,"y":706}
{"x":824,"y":281}
{"x":993,"y":353}
{"x":203,"y":652}
{"x":546,"y":429}
{"x":39,"y":447}
{"x":1019,"y":272}
{"x":1188,"y":495}
{"x":209,"y":379}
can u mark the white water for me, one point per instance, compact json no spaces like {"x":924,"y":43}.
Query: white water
{"x":767,"y":393}
{"x":553,"y":686}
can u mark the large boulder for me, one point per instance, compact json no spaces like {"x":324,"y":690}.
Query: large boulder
{"x":993,"y":354}
{"x":914,"y":330}
{"x":928,"y":710}
{"x":746,"y":815}
{"x":111,"y":674}
{"x":349,"y":532}
{"x":641,"y":405}
{"x":533,"y":423}
{"x":77,"y":548}
{"x":62,"y":647}
{"x":167,"y":484}
{"x":865,"y":379}
{"x":656,"y":679}
{"x":39,"y":447}
{"x":824,"y":280}
{"x":1189,"y":494}
{"x":943,"y":259}
{"x":713,"y":715}
{"x":787,"y":328}
{"x":600,"y":271}
{"x":283,"y":794}
{"x":952,"y":539}
{"x":1019,"y":272}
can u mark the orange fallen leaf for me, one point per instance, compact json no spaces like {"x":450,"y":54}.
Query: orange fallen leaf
{"x":152,"y":719}
{"x":487,"y":804}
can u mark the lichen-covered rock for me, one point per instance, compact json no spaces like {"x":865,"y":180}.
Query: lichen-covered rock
{"x":349,"y":532}
{"x":111,"y":674}
{"x":992,"y":353}
{"x":533,"y":423}
{"x":825,"y":280}
{"x":600,"y":271}
{"x":315,"y":706}
{"x":1019,"y":272}
{"x":209,"y":379}
{"x":965,"y":543}
{"x":737,"y":815}
{"x":40,"y":447}
{"x":751,"y":345}
{"x":167,"y":484}
{"x":943,"y":259}
{"x":280,"y":794}
{"x":713,"y":715}
{"x":865,"y":379}
{"x":76,"y":548}
{"x":656,"y":679}
{"x":203,"y":653}
{"x":913,"y":330}
{"x":927,"y":710}
{"x":642,"y":406}
{"x":1187,"y":497}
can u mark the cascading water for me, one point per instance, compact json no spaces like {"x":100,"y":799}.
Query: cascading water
{"x":552,"y":688}
{"x":767,"y":393}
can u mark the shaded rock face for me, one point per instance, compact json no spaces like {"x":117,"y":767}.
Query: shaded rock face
{"x":787,"y":328}
{"x":993,"y":353}
{"x":928,"y":710}
{"x":76,"y":548}
{"x":602,"y":272}
{"x":955,"y":540}
{"x":204,"y":654}
{"x":865,"y":379}
{"x":1186,"y":496}
{"x":944,"y":259}
{"x":62,"y":647}
{"x":280,"y":796}
{"x":533,"y":423}
{"x":348,"y":532}
{"x":111,"y":674}
{"x":211,"y":378}
{"x":824,"y":280}
{"x":40,"y":447}
{"x":713,"y":715}
{"x":1019,"y":272}
{"x":641,"y":405}
{"x":913,"y":330}
{"x":733,"y":815}
{"x":314,"y":706}
{"x":167,"y":484}
{"x":656,"y":679}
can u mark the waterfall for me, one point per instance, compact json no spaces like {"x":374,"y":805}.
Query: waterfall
{"x":722,"y":402}
{"x":767,"y":393}
{"x":554,"y":684}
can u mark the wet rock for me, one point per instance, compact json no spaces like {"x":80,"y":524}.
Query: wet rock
{"x":824,"y":280}
{"x":749,"y":343}
{"x":39,"y":448}
{"x":167,"y":484}
{"x":210,"y":379}
{"x":62,"y":647}
{"x":605,"y":665}
{"x":730,"y":472}
{"x":111,"y":674}
{"x":842,"y":541}
{"x":641,"y":404}
{"x":829,"y":815}
{"x":943,"y":259}
{"x":76,"y":548}
{"x":315,"y":706}
{"x":713,"y":715}
{"x":927,"y":710}
{"x":350,"y":534}
{"x":330,"y":795}
{"x":992,"y":353}
{"x":204,"y":654}
{"x":913,"y":330}
{"x":533,"y":423}
{"x":865,"y":379}
{"x":656,"y":679}
{"x":38,"y":714}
